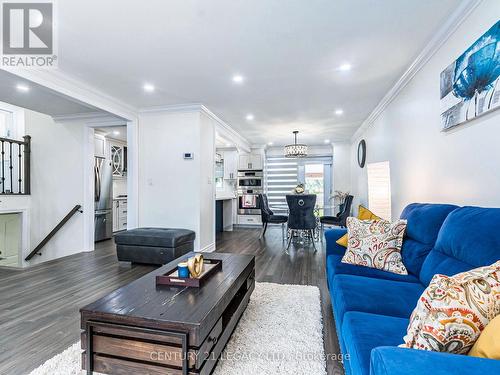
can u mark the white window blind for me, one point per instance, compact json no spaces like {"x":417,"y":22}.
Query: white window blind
{"x":379,"y":189}
{"x":281,"y":178}
{"x":283,"y":174}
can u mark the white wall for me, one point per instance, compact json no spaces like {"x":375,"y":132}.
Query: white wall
{"x":428,"y":165}
{"x":341,"y":167}
{"x":174,"y":192}
{"x":56,"y":186}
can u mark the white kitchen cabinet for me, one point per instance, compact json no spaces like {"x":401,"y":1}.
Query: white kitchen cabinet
{"x":256,"y":161}
{"x":249,"y":220}
{"x":119,"y":215}
{"x":230,"y":165}
{"x":250,"y":162}
{"x":118,"y":155}
{"x":99,"y":146}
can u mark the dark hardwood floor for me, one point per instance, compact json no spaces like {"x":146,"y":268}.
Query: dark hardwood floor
{"x":39,"y":306}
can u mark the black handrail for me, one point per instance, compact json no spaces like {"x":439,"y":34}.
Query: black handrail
{"x":53,"y":232}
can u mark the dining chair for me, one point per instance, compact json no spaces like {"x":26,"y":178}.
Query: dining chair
{"x":268,"y":216}
{"x":301,"y":216}
{"x":340,"y":219}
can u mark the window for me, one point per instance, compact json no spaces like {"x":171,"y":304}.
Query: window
{"x":379,"y":189}
{"x":6,"y":124}
{"x":281,"y":178}
{"x":283,"y":175}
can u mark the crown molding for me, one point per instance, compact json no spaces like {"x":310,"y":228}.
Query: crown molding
{"x":188,"y":107}
{"x":77,"y":116}
{"x":436,"y":42}
{"x":227,"y":130}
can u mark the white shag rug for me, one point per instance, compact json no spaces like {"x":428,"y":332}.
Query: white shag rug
{"x":280,"y":332}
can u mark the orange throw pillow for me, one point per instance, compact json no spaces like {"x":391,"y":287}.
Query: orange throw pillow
{"x":363,"y":214}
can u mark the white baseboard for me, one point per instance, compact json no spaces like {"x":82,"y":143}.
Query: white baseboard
{"x":209,"y":248}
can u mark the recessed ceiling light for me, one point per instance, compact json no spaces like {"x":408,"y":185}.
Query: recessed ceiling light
{"x":345,"y":67}
{"x":238,"y":78}
{"x":116,"y":132}
{"x":22,"y":87}
{"x":339,"y":112}
{"x":148,"y":87}
{"x":270,"y":143}
{"x":327,"y":141}
{"x":249,"y":117}
{"x":228,"y":144}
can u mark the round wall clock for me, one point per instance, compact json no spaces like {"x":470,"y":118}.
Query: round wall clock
{"x":362,"y":153}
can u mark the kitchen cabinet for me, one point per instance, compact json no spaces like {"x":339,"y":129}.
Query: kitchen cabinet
{"x":230,"y":165}
{"x":99,"y":146}
{"x":119,"y":215}
{"x":250,"y":162}
{"x":118,"y":154}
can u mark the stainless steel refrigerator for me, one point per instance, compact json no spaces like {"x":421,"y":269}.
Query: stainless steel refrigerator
{"x":103,"y":199}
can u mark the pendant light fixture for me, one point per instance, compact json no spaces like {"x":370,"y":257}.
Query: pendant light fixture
{"x":296,"y":150}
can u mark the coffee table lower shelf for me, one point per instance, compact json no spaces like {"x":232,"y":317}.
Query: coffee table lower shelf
{"x":121,"y":349}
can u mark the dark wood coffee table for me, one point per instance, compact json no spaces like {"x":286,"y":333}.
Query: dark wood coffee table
{"x":142,"y":328}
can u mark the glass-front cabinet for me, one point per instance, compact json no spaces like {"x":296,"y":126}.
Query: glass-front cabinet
{"x":118,"y":153}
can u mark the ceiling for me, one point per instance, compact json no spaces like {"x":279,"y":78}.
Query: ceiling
{"x":39,"y":98}
{"x":114,"y":132}
{"x":288,"y":52}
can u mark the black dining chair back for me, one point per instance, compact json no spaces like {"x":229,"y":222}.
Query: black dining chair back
{"x":265,"y":211}
{"x":301,"y":211}
{"x":346,"y":212}
{"x":268,"y":216}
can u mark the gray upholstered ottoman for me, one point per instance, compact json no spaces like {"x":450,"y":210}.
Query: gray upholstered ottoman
{"x":153,"y":245}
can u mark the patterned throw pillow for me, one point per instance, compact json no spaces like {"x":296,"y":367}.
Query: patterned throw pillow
{"x":375,"y":244}
{"x":452,"y":312}
{"x":363,"y":214}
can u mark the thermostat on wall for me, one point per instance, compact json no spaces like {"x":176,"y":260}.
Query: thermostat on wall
{"x":188,"y":155}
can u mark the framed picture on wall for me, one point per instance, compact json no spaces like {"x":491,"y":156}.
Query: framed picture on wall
{"x":470,"y":85}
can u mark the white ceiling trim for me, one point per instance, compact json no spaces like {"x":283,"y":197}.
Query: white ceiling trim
{"x":76,"y":90}
{"x":437,"y":41}
{"x":188,"y":107}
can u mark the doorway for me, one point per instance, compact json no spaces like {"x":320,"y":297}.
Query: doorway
{"x":317,"y":177}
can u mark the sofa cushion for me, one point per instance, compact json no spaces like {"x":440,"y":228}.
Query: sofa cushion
{"x":335,"y":267}
{"x":363,"y":214}
{"x":331,"y":236}
{"x":453,"y":311}
{"x":468,"y":239}
{"x":157,"y":237}
{"x":363,"y":331}
{"x":424,"y":222}
{"x":376,"y":244}
{"x":365,"y":294}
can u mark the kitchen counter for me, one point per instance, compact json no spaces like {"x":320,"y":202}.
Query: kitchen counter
{"x":225,"y":211}
{"x":224,"y":197}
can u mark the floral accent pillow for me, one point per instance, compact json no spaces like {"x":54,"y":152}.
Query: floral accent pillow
{"x":376,"y":244}
{"x":453,"y":311}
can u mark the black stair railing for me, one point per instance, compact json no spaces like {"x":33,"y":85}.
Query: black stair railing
{"x":15,"y":164}
{"x":36,"y":250}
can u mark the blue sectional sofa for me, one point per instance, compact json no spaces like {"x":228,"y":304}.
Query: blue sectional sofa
{"x":372,"y":307}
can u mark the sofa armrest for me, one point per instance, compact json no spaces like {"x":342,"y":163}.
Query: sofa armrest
{"x":401,"y":361}
{"x":331,"y":236}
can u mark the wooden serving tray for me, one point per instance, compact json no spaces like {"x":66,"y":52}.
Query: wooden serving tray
{"x":210,"y":267}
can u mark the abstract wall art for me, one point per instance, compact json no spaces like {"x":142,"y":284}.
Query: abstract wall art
{"x":470,"y":86}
